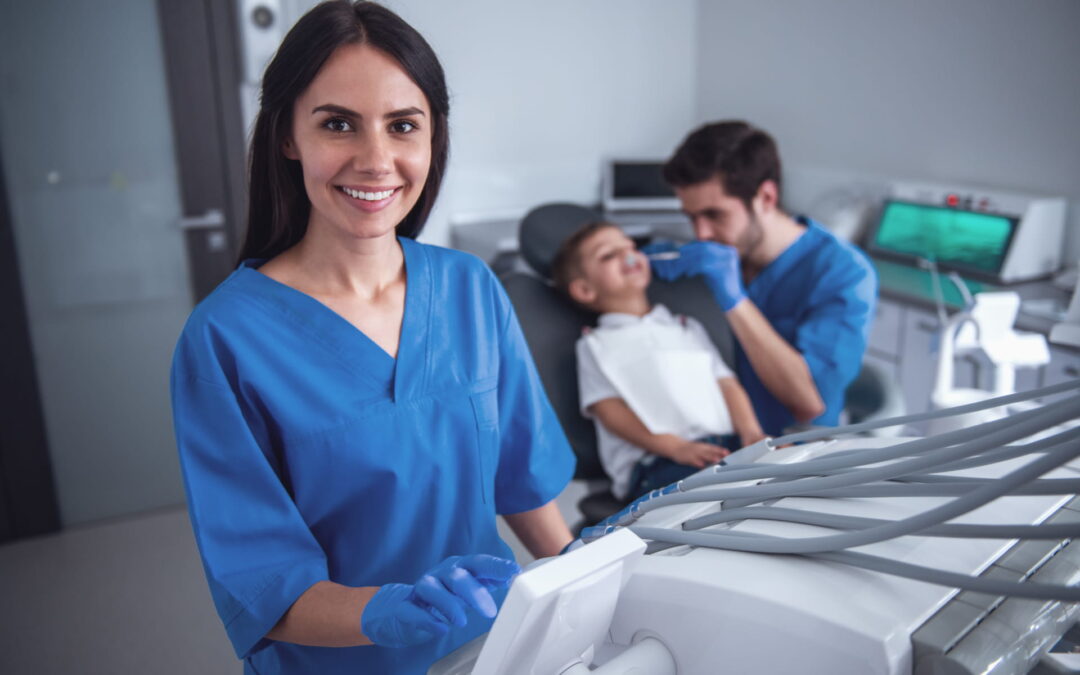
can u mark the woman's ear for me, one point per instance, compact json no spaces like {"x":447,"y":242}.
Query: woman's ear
{"x":288,"y":148}
{"x":581,"y":291}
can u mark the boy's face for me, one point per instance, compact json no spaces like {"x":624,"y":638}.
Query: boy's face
{"x":611,"y":269}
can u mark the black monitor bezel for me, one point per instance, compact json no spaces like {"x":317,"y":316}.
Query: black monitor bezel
{"x":614,"y":203}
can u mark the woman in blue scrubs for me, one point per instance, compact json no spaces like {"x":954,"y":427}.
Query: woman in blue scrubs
{"x":353,"y":408}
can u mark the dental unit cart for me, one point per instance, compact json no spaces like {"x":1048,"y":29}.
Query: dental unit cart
{"x":944,"y":555}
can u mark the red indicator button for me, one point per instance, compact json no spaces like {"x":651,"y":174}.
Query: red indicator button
{"x":952,"y":200}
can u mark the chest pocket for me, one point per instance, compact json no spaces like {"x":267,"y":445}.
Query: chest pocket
{"x":485,"y":406}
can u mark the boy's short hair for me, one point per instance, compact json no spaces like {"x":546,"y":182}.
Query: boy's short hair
{"x":566,"y":266}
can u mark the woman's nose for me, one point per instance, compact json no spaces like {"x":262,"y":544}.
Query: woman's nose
{"x":373,"y":155}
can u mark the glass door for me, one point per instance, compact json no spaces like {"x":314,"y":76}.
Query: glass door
{"x":99,"y":185}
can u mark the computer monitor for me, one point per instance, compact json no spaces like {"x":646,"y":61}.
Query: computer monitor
{"x":637,"y":185}
{"x":973,"y":243}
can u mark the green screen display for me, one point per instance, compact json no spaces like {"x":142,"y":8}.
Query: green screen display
{"x":949,"y":236}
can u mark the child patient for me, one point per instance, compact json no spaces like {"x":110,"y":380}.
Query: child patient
{"x":666,"y":403}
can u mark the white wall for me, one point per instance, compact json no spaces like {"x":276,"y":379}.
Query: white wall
{"x":542,"y":92}
{"x":973,"y":92}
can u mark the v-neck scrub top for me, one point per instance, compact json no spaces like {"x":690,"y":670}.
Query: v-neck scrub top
{"x":820,"y":295}
{"x":310,"y":454}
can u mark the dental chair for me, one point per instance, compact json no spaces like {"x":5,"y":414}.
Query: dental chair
{"x":874,"y":395}
{"x":552,"y":324}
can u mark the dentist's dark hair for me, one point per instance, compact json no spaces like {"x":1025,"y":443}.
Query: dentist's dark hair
{"x":278,"y":205}
{"x":740,"y":154}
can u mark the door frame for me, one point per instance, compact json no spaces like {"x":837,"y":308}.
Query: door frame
{"x":28,"y":505}
{"x":201,"y":43}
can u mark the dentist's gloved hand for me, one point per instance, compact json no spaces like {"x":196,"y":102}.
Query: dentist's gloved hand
{"x":400,"y":615}
{"x":717,"y":263}
{"x":659,"y":246}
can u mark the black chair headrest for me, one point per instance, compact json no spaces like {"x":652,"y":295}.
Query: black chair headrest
{"x":545,"y":228}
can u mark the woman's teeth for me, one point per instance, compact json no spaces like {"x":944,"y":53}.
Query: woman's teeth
{"x":367,"y":196}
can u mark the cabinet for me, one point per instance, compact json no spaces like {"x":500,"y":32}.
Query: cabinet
{"x":1064,"y":365}
{"x":918,"y":362}
{"x":886,"y":330}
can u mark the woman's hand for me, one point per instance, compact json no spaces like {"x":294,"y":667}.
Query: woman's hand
{"x":399,"y":615}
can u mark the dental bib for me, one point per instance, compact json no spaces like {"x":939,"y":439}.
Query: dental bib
{"x":664,"y":376}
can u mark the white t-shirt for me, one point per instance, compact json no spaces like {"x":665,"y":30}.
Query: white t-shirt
{"x":665,"y":368}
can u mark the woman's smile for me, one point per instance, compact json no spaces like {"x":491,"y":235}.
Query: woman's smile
{"x":369,"y":200}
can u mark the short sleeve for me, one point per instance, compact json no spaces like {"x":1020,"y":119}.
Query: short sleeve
{"x":833,"y":335}
{"x":593,"y":385}
{"x":701,"y":337}
{"x":535,"y":459}
{"x":258,"y":554}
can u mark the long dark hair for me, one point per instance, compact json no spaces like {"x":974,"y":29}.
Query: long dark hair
{"x":278,"y":206}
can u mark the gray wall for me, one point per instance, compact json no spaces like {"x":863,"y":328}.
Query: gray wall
{"x":543,"y":92}
{"x":968,"y":92}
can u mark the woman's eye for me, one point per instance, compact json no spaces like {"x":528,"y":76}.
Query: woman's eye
{"x":403,"y":127}
{"x":337,"y":124}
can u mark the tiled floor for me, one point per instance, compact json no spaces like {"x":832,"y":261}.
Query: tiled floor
{"x":121,"y":597}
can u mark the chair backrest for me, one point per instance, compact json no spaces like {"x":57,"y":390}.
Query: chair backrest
{"x":545,"y":228}
{"x":552,"y":323}
{"x":873,"y":395}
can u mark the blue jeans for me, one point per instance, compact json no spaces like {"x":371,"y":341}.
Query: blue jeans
{"x":652,"y":472}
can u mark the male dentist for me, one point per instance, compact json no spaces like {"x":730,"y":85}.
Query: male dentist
{"x":799,"y":300}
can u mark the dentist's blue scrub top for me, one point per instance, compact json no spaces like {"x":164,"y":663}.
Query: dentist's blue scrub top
{"x":310,"y":454}
{"x":820,"y":295}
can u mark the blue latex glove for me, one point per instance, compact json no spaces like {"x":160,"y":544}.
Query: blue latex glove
{"x":659,"y":246}
{"x":717,"y":263}
{"x":399,"y":615}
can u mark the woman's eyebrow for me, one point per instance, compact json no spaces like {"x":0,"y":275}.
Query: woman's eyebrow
{"x":342,"y":110}
{"x":405,"y":112}
{"x":336,"y":109}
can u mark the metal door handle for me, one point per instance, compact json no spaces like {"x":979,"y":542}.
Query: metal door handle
{"x":212,"y":218}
